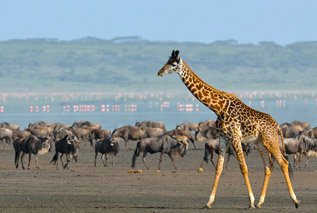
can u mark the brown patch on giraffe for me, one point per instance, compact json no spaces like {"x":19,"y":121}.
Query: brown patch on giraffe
{"x":199,"y":95}
{"x":199,"y":86}
{"x":205,"y":93}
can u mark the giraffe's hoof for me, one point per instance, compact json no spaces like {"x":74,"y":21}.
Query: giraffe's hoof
{"x":207,"y":206}
{"x":258,"y":206}
{"x":297,"y":204}
{"x":251,"y":206}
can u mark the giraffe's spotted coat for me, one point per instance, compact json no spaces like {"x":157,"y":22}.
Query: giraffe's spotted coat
{"x":237,"y":123}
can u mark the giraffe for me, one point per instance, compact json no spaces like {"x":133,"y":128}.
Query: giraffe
{"x":237,"y":123}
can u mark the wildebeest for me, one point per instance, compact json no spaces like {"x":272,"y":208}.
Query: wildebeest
{"x":11,"y":126}
{"x":97,"y":134}
{"x":177,"y":132}
{"x":128,"y":133}
{"x":62,"y":132}
{"x":187,"y":126}
{"x":203,"y":128}
{"x":312,"y":133}
{"x":153,"y":124}
{"x":301,"y":126}
{"x":290,"y":131}
{"x":6,"y":137}
{"x":213,"y":146}
{"x":86,"y":124}
{"x":206,"y":134}
{"x":30,"y":145}
{"x":81,"y":133}
{"x":68,"y":146}
{"x":21,"y":134}
{"x":308,"y":148}
{"x":106,"y":146}
{"x":164,"y":144}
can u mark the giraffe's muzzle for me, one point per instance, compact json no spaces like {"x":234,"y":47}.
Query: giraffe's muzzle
{"x":160,"y":73}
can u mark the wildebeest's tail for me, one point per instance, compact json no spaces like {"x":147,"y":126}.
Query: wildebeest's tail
{"x":54,"y":158}
{"x":290,"y":169}
{"x":136,"y":153}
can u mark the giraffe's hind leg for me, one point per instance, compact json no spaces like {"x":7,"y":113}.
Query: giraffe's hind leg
{"x":272,"y":145}
{"x":268,"y":166}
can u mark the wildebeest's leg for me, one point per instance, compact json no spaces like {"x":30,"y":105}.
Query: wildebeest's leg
{"x":105,"y":162}
{"x":160,"y":160}
{"x":219,"y":168}
{"x":67,"y":161}
{"x":112,"y":159}
{"x":308,"y":157}
{"x":295,"y":162}
{"x":29,"y":165}
{"x":5,"y":144}
{"x":144,"y":160}
{"x":37,"y":161}
{"x":299,"y":161}
{"x":228,"y":159}
{"x":172,"y":159}
{"x":268,"y":167}
{"x":62,"y":159}
{"x":17,"y":158}
{"x":193,"y":142}
{"x":136,"y":154}
{"x":96,"y":153}
{"x":22,"y":156}
{"x":56,"y":160}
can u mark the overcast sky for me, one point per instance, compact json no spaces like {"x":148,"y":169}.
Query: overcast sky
{"x":247,"y":21}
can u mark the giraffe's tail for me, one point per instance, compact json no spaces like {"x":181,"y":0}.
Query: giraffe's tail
{"x":282,"y":140}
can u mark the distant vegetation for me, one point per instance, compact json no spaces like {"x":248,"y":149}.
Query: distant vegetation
{"x":93,"y":64}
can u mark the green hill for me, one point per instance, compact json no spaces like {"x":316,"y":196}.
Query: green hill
{"x":130,"y":63}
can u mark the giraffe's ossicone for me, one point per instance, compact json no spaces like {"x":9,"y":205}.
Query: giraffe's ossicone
{"x":237,"y":123}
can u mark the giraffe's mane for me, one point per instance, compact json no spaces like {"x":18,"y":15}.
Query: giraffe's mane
{"x":220,"y":91}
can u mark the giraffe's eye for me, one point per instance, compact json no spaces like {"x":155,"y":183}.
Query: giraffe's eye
{"x":174,"y":64}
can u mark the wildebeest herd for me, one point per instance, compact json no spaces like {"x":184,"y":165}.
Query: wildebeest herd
{"x":149,"y":137}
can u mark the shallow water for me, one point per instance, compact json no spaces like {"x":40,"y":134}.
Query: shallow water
{"x":116,"y":114}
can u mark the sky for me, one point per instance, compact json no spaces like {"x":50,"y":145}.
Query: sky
{"x":247,"y":21}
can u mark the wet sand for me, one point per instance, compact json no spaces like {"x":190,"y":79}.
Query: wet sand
{"x":85,"y":188}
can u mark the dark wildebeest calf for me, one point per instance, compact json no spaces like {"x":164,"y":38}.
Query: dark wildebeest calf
{"x":68,"y":146}
{"x":164,"y":144}
{"x":105,"y":146}
{"x":30,"y":145}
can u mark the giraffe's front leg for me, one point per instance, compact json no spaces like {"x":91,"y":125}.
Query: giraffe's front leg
{"x":219,"y":169}
{"x":236,"y":143}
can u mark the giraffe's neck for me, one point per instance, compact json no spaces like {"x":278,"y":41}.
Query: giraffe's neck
{"x":214,"y":99}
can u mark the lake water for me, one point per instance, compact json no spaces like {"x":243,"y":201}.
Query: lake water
{"x":118,"y":112}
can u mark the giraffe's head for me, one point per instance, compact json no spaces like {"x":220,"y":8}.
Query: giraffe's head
{"x":172,"y":65}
